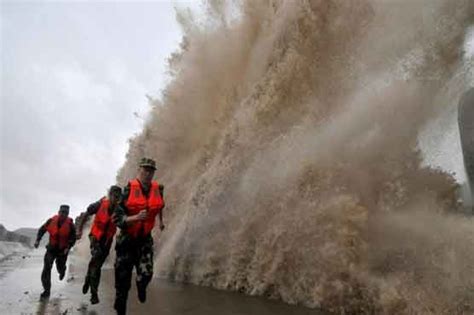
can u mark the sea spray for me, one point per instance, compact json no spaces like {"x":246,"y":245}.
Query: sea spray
{"x":287,"y":140}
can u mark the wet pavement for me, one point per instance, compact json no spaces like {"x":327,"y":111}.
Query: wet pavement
{"x":20,"y":287}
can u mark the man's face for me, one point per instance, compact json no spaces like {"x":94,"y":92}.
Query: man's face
{"x":145,"y":174}
{"x":114,"y":198}
{"x":63,"y":214}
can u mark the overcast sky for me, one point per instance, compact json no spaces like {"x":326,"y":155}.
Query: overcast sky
{"x":72,"y":76}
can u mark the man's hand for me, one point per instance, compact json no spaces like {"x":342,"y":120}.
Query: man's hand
{"x":142,"y":215}
{"x":37,"y":243}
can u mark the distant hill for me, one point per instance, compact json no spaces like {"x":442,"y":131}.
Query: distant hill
{"x":8,"y":236}
{"x":30,"y":233}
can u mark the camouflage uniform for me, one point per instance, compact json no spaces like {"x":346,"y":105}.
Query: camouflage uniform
{"x":131,"y":252}
{"x":99,"y":253}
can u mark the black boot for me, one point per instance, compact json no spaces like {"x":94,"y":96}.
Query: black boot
{"x":120,"y":307}
{"x":141,"y":290}
{"x":85,"y":287}
{"x":94,"y":298}
{"x":45,"y":295}
{"x":62,"y":274}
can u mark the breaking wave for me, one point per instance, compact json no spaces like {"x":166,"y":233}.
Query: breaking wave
{"x":287,"y":142}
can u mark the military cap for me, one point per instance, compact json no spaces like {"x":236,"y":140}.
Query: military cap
{"x":146,"y":162}
{"x":64,"y":208}
{"x":115,"y":190}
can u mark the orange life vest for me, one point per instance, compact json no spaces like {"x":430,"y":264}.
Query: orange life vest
{"x":103,"y":225}
{"x":137,"y":201}
{"x":59,"y":237}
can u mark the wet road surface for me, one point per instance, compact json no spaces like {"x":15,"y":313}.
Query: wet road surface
{"x":20,"y":287}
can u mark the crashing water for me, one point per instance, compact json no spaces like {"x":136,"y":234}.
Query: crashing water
{"x":287,"y":142}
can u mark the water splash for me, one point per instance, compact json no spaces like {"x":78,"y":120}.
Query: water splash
{"x":287,"y":141}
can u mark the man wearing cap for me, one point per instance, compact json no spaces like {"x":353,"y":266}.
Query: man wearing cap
{"x":142,"y":201}
{"x":101,"y":237}
{"x":62,"y":236}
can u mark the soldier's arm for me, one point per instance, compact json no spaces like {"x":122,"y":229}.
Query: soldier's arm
{"x":160,"y":214}
{"x":72,"y":236}
{"x":41,"y":232}
{"x":125,"y":194}
{"x":120,"y":217}
{"x":91,"y":210}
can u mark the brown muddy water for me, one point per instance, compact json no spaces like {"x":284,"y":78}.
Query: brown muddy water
{"x":20,"y":288}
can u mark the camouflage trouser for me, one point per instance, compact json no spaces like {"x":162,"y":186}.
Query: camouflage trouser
{"x":50,"y":256}
{"x":132,"y":253}
{"x":99,"y":253}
